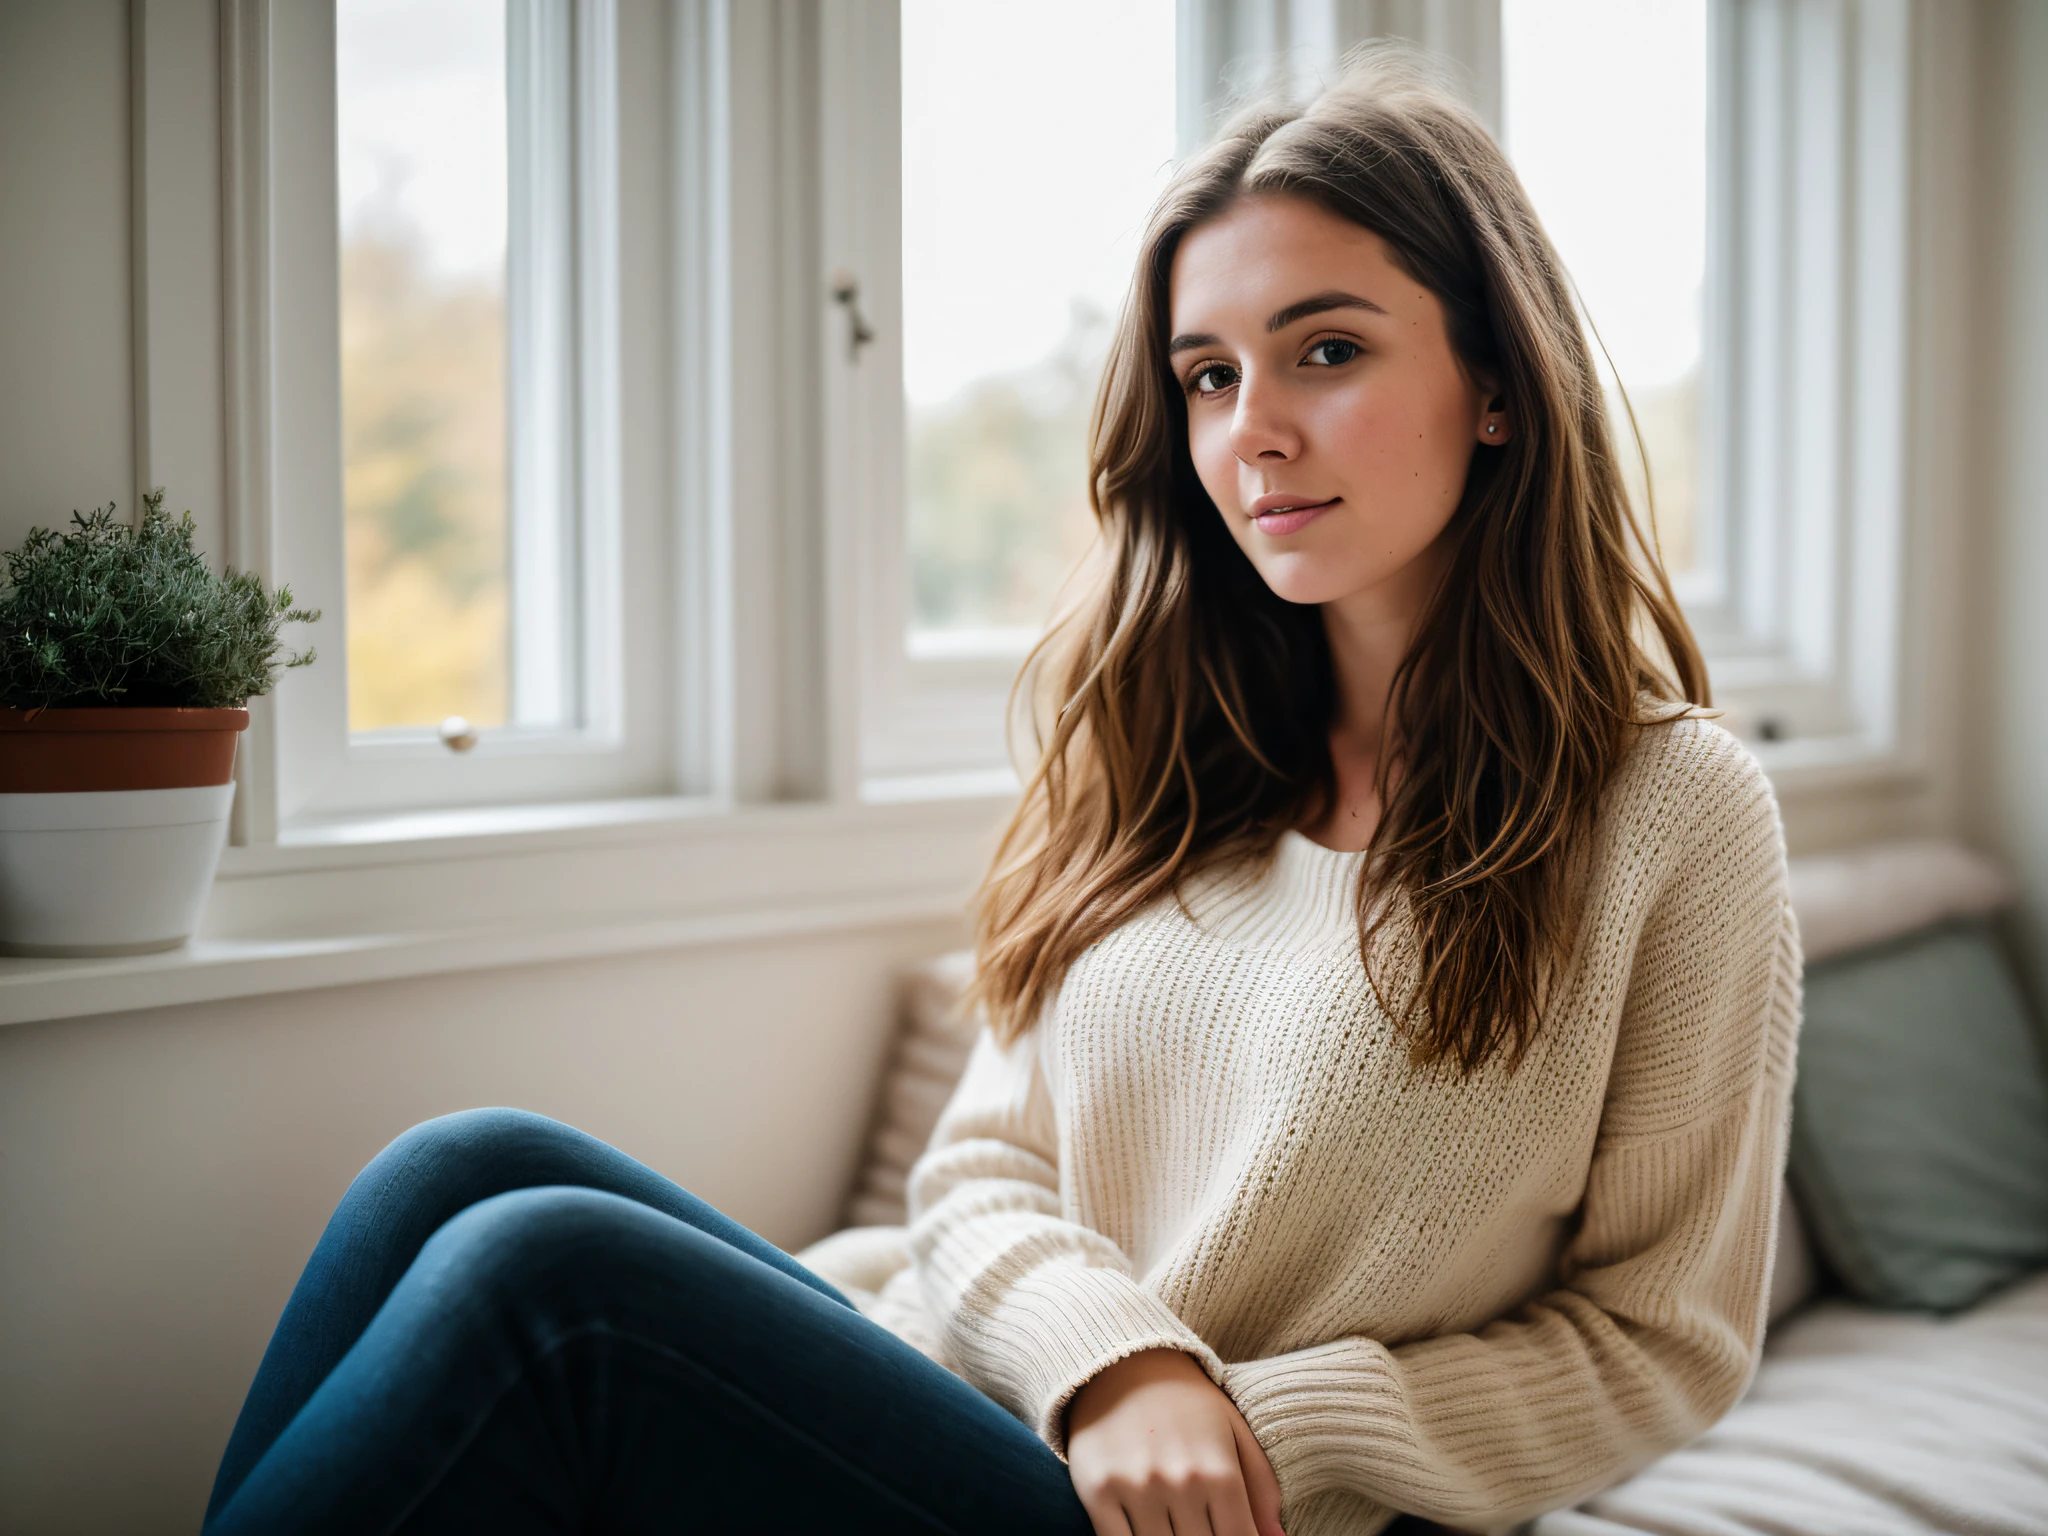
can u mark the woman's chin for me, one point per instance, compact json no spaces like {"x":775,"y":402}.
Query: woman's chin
{"x":1306,"y":580}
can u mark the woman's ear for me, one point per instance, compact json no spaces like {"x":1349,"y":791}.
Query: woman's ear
{"x":1494,"y":426}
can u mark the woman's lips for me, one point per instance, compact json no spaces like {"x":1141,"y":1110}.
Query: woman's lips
{"x":1280,"y":516}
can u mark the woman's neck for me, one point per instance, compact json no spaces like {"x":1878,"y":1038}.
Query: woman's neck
{"x":1369,"y":635}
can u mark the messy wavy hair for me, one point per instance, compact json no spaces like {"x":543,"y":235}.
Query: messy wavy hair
{"x":1182,"y":710}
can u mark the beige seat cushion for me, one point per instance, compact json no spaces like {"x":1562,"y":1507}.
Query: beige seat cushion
{"x":1862,"y":896}
{"x":1865,"y":1422}
{"x":930,"y":1054}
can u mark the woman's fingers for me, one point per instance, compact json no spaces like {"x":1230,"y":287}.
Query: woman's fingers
{"x":1227,"y":1508}
{"x":1148,"y":1516}
{"x":1189,"y":1509}
{"x":1158,"y":1449}
{"x":1195,"y":1506}
{"x":1262,"y":1488}
{"x":1107,"y":1516}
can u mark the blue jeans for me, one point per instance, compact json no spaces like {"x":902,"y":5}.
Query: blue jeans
{"x":509,"y":1326}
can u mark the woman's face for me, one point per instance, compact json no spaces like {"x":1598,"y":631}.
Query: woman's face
{"x":1328,"y":417}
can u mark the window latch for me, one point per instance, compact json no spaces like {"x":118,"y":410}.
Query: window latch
{"x":457,"y":734}
{"x":846,"y":293}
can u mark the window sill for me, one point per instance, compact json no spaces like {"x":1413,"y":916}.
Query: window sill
{"x":403,"y":896}
{"x":214,"y":970}
{"x":479,"y":832}
{"x":443,"y":892}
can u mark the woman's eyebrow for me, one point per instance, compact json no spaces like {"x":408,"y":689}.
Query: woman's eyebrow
{"x":1318,"y":304}
{"x":1301,"y":309}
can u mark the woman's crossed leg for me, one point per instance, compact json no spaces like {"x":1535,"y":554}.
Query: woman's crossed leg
{"x":511,"y":1326}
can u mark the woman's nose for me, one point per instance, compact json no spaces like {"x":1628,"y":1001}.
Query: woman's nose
{"x":1261,"y":431}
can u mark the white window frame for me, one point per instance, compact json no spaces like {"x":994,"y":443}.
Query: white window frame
{"x":934,"y":712}
{"x":582,"y":653}
{"x":734,"y":675}
{"x":1808,"y":316}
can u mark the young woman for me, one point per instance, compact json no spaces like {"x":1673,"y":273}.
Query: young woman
{"x":1390,"y":986}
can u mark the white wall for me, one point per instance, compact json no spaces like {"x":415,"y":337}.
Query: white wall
{"x":66,"y":396}
{"x":2010,"y":727}
{"x":163,"y":1175}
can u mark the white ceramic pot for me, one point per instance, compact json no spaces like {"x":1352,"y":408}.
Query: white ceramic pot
{"x":108,"y":872}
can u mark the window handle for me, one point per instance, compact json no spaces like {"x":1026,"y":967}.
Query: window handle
{"x":457,"y":734}
{"x":846,"y":293}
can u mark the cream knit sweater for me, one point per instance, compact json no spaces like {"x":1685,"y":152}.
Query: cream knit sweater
{"x":1473,"y":1300}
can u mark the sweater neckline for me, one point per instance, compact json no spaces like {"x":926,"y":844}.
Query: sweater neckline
{"x":1305,"y":897}
{"x":1314,"y":848}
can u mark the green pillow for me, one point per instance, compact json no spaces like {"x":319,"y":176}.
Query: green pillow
{"x":1920,"y":1121}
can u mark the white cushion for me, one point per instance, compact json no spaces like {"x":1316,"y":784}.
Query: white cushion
{"x":1865,"y":1422}
{"x":1794,"y":1274}
{"x":1866,"y":895}
{"x":930,"y":1055}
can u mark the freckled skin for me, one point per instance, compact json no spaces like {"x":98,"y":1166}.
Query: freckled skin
{"x":1389,"y":431}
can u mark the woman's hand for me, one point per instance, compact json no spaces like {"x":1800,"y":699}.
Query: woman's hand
{"x":1157,"y":1449}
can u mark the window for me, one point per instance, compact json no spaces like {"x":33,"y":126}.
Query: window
{"x":1020,"y":221}
{"x":458,"y":208}
{"x":1749,"y":287}
{"x":465,"y":187}
{"x":422,"y":171}
{"x":1606,"y":122}
{"x":872,"y":277}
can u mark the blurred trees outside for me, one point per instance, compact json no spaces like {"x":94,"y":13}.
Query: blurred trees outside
{"x":425,"y":490}
{"x":998,"y":489}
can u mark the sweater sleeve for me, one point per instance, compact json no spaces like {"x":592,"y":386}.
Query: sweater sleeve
{"x":1654,"y":1328}
{"x":1028,"y":1305}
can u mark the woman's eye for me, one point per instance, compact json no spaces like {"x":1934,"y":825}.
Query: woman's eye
{"x":1212,"y":377}
{"x":1331,"y":353}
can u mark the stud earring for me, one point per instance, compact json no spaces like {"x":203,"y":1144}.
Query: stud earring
{"x":1492,"y":427}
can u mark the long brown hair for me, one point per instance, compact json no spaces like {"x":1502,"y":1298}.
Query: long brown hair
{"x":1184,"y":709}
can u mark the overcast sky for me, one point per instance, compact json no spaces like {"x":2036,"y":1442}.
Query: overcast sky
{"x":421,"y":120}
{"x":1035,"y":138}
{"x":1607,"y":124}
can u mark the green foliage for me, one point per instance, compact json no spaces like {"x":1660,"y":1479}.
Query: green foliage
{"x":999,"y":488}
{"x":113,"y":613}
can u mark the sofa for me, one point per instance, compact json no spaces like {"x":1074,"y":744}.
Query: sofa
{"x":1903,"y":1388}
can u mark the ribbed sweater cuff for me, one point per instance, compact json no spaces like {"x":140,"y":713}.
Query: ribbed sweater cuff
{"x":1316,"y":1412}
{"x":1062,"y":1324}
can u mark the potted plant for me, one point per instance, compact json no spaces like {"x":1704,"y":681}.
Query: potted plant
{"x":125,"y":666}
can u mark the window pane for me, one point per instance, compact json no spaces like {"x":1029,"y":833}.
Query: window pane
{"x":422,"y":172}
{"x":1606,"y":107}
{"x":1021,"y":219}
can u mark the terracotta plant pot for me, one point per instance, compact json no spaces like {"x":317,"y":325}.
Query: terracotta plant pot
{"x":111,"y":825}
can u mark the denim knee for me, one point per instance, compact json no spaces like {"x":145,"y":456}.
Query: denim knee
{"x":458,"y":1150}
{"x":550,"y":1243}
{"x":480,"y":1134}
